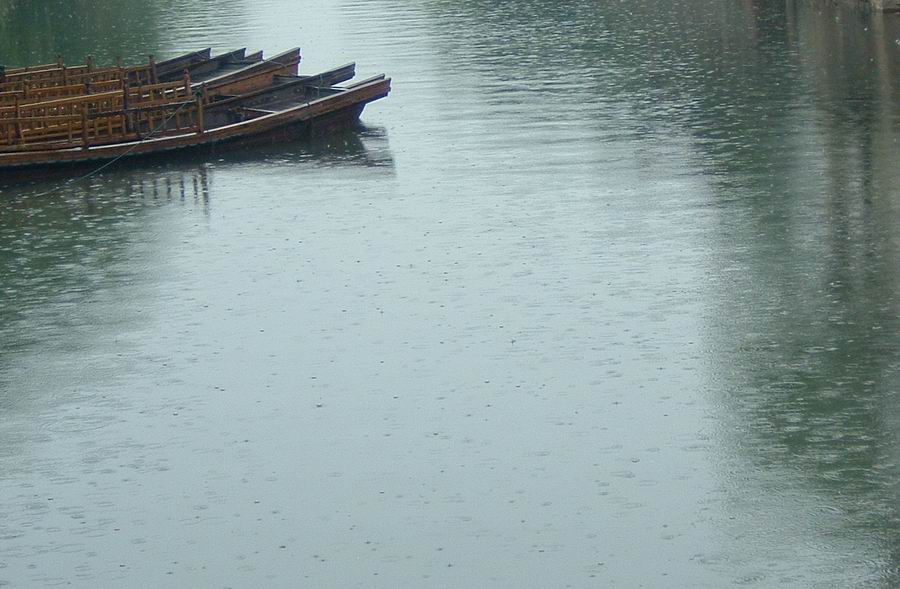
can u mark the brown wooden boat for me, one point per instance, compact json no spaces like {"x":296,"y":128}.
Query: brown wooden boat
{"x":45,"y":83}
{"x":239,"y":74}
{"x":122,"y":115}
{"x":260,"y":102}
{"x":59,"y":74}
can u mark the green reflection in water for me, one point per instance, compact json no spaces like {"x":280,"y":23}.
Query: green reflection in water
{"x":36,"y":31}
{"x":789,"y":110}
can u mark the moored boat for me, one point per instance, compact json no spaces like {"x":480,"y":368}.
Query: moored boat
{"x":59,"y":74}
{"x":266,"y":101}
{"x":44,"y":83}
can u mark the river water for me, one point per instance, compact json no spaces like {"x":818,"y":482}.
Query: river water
{"x":605,"y":294}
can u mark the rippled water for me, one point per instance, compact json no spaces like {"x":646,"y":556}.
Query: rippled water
{"x":603,"y":295}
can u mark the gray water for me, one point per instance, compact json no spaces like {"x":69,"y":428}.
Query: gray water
{"x":605,"y":294}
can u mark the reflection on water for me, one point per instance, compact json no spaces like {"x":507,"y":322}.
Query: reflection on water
{"x":37,"y":31}
{"x":59,"y":239}
{"x":60,"y":251}
{"x":808,"y":282}
{"x":361,"y":145}
{"x":618,"y":305}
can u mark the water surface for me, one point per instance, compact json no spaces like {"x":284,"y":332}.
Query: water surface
{"x":603,"y":295}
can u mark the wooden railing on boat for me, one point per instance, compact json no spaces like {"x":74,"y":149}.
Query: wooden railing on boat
{"x":32,"y":68}
{"x":44,"y":76}
{"x":135,"y":96}
{"x":91,"y":119}
{"x":67,"y":131}
{"x":31,"y":95}
{"x":161,"y":93}
{"x":52,"y":81}
{"x":76,"y":76}
{"x":92,"y":103}
{"x":48,"y":75}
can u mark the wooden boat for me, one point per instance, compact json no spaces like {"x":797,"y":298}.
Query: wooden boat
{"x":207,"y":66}
{"x":238,"y":74}
{"x":58,"y":74}
{"x":121,"y":115}
{"x":44,"y":83}
{"x":174,"y":65}
{"x":268,"y":101}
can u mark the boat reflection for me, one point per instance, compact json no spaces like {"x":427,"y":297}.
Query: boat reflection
{"x":60,"y":240}
{"x":358,"y":145}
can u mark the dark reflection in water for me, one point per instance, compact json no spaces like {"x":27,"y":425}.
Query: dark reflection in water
{"x":361,"y":145}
